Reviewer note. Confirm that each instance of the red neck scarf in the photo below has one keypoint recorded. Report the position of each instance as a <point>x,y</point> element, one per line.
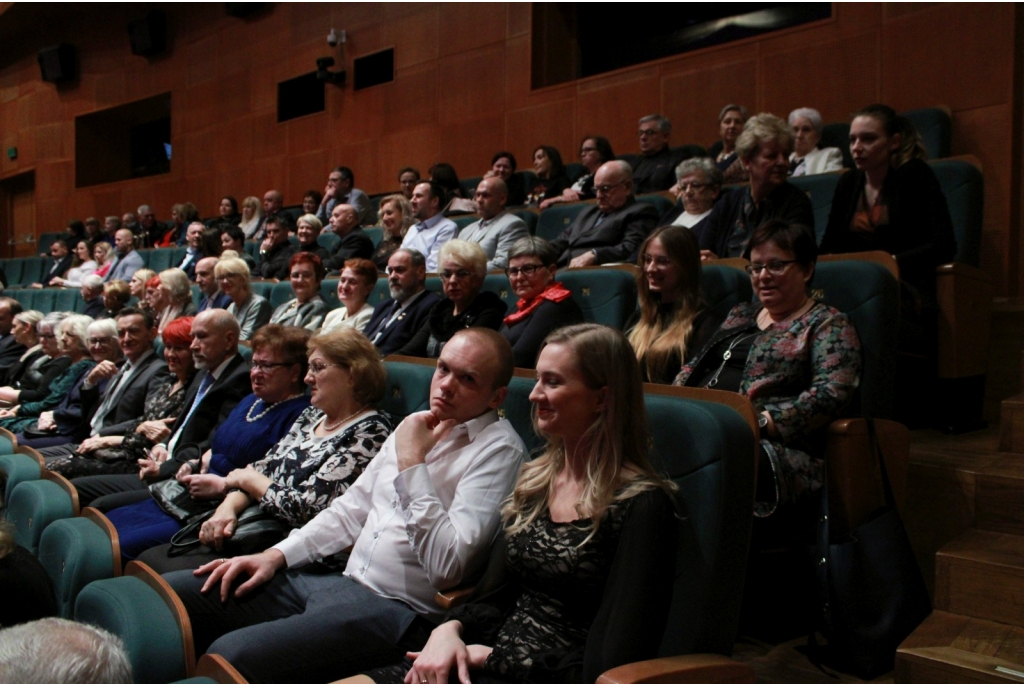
<point>555,292</point>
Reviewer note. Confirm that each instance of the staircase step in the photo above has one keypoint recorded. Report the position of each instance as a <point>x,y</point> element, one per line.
<point>999,494</point>
<point>981,574</point>
<point>1011,425</point>
<point>948,648</point>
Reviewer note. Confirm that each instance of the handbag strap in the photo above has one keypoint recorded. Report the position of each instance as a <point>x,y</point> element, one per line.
<point>181,542</point>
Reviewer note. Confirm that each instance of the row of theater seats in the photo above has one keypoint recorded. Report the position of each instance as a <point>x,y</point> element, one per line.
<point>704,440</point>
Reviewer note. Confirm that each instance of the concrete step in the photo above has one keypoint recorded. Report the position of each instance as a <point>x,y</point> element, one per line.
<point>999,495</point>
<point>948,648</point>
<point>981,574</point>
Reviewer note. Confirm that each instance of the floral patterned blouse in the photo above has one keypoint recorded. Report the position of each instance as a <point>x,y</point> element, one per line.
<point>309,472</point>
<point>160,404</point>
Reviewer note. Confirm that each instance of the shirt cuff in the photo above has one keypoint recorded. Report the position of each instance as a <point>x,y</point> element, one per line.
<point>294,549</point>
<point>412,484</point>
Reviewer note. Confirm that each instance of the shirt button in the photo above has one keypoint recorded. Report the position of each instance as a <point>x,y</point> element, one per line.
<point>363,570</point>
<point>376,535</point>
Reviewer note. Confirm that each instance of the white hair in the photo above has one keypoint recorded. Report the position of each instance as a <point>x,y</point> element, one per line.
<point>55,650</point>
<point>811,115</point>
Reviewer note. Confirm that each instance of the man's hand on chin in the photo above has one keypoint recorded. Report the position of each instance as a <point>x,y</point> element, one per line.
<point>417,435</point>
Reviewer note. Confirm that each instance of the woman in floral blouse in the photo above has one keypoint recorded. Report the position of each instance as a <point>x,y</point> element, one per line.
<point>796,359</point>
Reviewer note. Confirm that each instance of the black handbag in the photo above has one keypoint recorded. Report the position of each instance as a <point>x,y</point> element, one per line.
<point>256,531</point>
<point>872,592</point>
<point>173,498</point>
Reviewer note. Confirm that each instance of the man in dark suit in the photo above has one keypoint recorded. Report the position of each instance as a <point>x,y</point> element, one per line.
<point>213,298</point>
<point>354,243</point>
<point>221,384</point>
<point>60,262</point>
<point>395,321</point>
<point>114,399</point>
<point>276,251</point>
<point>611,230</point>
<point>10,349</point>
<point>92,296</point>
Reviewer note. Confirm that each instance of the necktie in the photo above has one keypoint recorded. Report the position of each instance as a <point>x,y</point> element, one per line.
<point>385,320</point>
<point>108,399</point>
<point>208,380</point>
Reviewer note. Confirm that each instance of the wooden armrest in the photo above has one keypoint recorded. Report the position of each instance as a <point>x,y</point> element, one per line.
<point>452,598</point>
<point>215,667</point>
<point>686,668</point>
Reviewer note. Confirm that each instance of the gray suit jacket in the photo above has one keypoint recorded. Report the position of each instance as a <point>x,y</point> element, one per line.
<point>496,238</point>
<point>125,267</point>
<point>356,198</point>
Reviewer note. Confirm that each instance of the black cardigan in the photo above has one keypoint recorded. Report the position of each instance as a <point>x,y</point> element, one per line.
<point>486,311</point>
<point>787,202</point>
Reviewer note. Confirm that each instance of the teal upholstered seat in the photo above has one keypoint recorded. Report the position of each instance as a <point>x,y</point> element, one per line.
<point>964,187</point>
<point>935,127</point>
<point>329,241</point>
<point>554,220</point>
<point>820,189</point>
<point>530,217</point>
<point>15,469</point>
<point>281,293</point>
<point>33,505</point>
<point>724,287</point>
<point>75,552</point>
<point>660,203</point>
<point>606,296</point>
<point>407,390</point>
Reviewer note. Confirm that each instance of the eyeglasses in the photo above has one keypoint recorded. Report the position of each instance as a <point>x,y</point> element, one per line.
<point>774,267</point>
<point>460,275</point>
<point>228,277</point>
<point>100,341</point>
<point>696,186</point>
<point>605,189</point>
<point>318,367</point>
<point>266,367</point>
<point>644,132</point>
<point>526,270</point>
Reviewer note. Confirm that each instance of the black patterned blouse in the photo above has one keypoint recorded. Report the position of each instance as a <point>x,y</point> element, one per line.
<point>308,471</point>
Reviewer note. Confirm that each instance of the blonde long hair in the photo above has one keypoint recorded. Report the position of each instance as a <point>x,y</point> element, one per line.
<point>656,338</point>
<point>616,441</point>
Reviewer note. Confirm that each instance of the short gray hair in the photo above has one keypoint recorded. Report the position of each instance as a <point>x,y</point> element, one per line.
<point>177,285</point>
<point>761,129</point>
<point>700,165</point>
<point>56,650</point>
<point>77,325</point>
<point>534,246</point>
<point>51,321</point>
<point>92,281</point>
<point>808,113</point>
<point>416,257</point>
<point>103,327</point>
<point>311,220</point>
<point>664,125</point>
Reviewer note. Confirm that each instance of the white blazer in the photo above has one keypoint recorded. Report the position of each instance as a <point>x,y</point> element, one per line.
<point>819,161</point>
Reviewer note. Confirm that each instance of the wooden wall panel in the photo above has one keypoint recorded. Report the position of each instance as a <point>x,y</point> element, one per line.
<point>612,107</point>
<point>469,25</point>
<point>486,99</point>
<point>415,37</point>
<point>693,100</point>
<point>544,124</point>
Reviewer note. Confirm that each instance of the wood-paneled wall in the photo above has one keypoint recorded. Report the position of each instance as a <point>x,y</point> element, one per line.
<point>462,91</point>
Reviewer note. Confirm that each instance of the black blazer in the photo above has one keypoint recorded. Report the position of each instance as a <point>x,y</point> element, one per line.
<point>11,374</point>
<point>355,244</point>
<point>616,239</point>
<point>56,268</point>
<point>131,397</point>
<point>35,386</point>
<point>219,401</point>
<point>10,351</point>
<point>404,327</point>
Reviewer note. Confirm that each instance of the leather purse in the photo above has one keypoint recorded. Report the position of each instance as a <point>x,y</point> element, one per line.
<point>174,498</point>
<point>256,531</point>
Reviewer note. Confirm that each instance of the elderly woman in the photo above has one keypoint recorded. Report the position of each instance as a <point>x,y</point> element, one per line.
<point>323,453</point>
<point>543,305</point>
<point>26,368</point>
<point>462,272</point>
<point>578,581</point>
<point>169,296</point>
<point>120,453</point>
<point>252,215</point>
<point>731,121</point>
<point>115,297</point>
<point>307,229</point>
<point>807,158</point>
<point>551,176</point>
<point>249,431</point>
<point>103,255</point>
<point>698,188</point>
<point>73,338</point>
<point>69,420</point>
<point>671,322</point>
<point>357,281</point>
<point>395,216</point>
<point>81,266</point>
<point>307,309</point>
<point>796,359</point>
<point>249,309</point>
<point>182,214</point>
<point>594,151</point>
<point>138,282</point>
<point>503,166</point>
<point>763,149</point>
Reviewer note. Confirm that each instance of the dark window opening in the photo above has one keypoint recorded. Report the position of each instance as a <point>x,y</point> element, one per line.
<point>300,96</point>
<point>124,142</point>
<point>374,69</point>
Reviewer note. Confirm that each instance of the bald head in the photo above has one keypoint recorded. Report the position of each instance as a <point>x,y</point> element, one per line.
<point>343,219</point>
<point>214,338</point>
<point>205,277</point>
<point>124,241</point>
<point>490,196</point>
<point>613,184</point>
<point>273,200</point>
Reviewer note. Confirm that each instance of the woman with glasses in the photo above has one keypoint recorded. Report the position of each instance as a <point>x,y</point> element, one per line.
<point>796,359</point>
<point>307,309</point>
<point>324,452</point>
<point>543,304</point>
<point>357,281</point>
<point>594,151</point>
<point>698,187</point>
<point>462,272</point>
<point>28,371</point>
<point>250,310</point>
<point>671,322</point>
<point>251,429</point>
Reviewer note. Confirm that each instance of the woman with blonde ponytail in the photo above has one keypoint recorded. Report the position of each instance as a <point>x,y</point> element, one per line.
<point>578,583</point>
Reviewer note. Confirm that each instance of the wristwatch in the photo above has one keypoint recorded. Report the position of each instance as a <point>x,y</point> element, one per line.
<point>762,421</point>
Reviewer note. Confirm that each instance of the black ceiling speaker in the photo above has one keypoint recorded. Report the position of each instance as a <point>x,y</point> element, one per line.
<point>148,34</point>
<point>58,64</point>
<point>244,10</point>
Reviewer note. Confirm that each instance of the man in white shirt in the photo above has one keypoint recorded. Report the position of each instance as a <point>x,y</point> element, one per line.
<point>421,518</point>
<point>432,230</point>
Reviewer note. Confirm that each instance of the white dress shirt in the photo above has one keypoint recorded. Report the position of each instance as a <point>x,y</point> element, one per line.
<point>428,236</point>
<point>423,529</point>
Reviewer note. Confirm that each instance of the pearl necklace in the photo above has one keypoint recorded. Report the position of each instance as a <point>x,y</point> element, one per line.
<point>253,419</point>
<point>330,429</point>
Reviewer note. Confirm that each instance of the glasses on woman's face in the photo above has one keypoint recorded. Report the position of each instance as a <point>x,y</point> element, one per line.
<point>776,267</point>
<point>527,270</point>
<point>227,278</point>
<point>318,367</point>
<point>267,367</point>
<point>100,342</point>
<point>459,275</point>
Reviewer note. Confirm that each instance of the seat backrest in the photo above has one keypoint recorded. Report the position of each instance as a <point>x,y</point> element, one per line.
<point>868,293</point>
<point>263,288</point>
<point>464,220</point>
<point>197,294</point>
<point>45,300</point>
<point>329,293</point>
<point>165,257</point>
<point>606,295</point>
<point>12,269</point>
<point>518,409</point>
<point>469,185</point>
<point>723,287</point>
<point>499,285</point>
<point>48,239</point>
<point>964,187</point>
<point>935,127</point>
<point>708,450</point>
<point>15,468</point>
<point>141,609</point>
<point>68,300</point>
<point>32,270</point>
<point>820,188</point>
<point>574,170</point>
<point>329,241</point>
<point>529,179</point>
<point>294,211</point>
<point>660,203</point>
<point>838,135</point>
<point>554,220</point>
<point>408,386</point>
<point>281,293</point>
<point>75,552</point>
<point>530,217</point>
<point>34,505</point>
<point>375,233</point>
<point>253,248</point>
<point>380,292</point>
<point>23,295</point>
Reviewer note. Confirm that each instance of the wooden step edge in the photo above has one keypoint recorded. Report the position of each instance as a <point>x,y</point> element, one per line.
<point>981,547</point>
<point>967,666</point>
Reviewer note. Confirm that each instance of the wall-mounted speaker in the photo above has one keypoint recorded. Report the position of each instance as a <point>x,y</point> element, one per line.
<point>148,34</point>
<point>244,10</point>
<point>58,64</point>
